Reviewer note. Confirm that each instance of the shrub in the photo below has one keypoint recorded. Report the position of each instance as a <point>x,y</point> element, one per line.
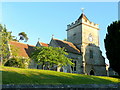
<point>18,62</point>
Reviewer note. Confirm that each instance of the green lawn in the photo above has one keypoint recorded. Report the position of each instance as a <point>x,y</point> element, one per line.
<point>12,75</point>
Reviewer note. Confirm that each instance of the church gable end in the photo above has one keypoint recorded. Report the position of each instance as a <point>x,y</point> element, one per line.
<point>70,47</point>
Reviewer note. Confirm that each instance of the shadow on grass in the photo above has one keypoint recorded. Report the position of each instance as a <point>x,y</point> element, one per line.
<point>10,77</point>
<point>115,76</point>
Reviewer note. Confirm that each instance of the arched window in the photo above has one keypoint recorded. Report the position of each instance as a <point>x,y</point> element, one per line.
<point>61,69</point>
<point>92,72</point>
<point>74,67</point>
<point>37,66</point>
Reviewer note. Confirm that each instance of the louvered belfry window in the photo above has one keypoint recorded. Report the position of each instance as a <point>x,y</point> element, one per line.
<point>91,53</point>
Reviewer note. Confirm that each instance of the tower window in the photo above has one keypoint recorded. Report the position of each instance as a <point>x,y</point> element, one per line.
<point>74,34</point>
<point>91,54</point>
<point>74,67</point>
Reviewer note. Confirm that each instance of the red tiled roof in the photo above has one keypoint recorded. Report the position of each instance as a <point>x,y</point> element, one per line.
<point>43,44</point>
<point>24,50</point>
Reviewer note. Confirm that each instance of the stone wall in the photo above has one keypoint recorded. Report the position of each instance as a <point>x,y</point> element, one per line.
<point>97,63</point>
<point>64,87</point>
<point>79,63</point>
<point>86,31</point>
<point>33,64</point>
<point>74,35</point>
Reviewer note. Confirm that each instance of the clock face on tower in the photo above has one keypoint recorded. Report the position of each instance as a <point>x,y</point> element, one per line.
<point>90,38</point>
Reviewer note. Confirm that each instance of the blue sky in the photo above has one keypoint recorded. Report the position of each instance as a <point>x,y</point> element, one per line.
<point>119,10</point>
<point>42,19</point>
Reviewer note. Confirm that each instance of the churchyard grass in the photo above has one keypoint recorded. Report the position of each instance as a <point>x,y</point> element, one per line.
<point>11,75</point>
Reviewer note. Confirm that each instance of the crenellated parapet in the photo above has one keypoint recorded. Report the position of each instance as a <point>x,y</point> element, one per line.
<point>74,24</point>
<point>82,21</point>
<point>87,22</point>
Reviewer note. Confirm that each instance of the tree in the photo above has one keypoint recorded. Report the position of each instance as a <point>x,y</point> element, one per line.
<point>23,36</point>
<point>112,45</point>
<point>65,39</point>
<point>5,37</point>
<point>51,56</point>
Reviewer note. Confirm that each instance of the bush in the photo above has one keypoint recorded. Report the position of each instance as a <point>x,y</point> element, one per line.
<point>18,62</point>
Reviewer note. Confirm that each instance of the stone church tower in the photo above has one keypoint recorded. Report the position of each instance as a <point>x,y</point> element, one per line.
<point>84,35</point>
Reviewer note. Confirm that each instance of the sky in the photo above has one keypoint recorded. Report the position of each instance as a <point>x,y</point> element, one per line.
<point>44,19</point>
<point>119,10</point>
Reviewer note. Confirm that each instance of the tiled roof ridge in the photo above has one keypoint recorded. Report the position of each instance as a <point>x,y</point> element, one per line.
<point>21,43</point>
<point>63,41</point>
<point>69,43</point>
<point>41,43</point>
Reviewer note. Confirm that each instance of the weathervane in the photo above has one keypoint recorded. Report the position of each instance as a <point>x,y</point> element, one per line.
<point>82,9</point>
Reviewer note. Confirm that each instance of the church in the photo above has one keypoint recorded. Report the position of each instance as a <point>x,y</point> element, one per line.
<point>82,46</point>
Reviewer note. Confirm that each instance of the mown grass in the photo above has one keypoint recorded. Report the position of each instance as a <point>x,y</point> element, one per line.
<point>12,75</point>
